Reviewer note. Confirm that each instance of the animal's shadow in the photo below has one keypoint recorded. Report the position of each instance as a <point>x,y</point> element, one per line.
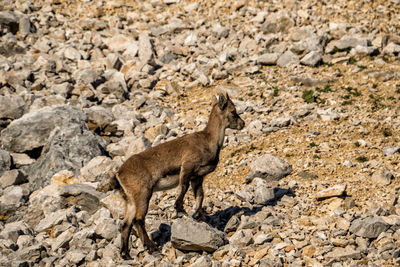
<point>220,219</point>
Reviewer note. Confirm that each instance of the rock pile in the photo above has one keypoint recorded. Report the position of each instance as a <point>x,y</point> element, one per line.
<point>313,179</point>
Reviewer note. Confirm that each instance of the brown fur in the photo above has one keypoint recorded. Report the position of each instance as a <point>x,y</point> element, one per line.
<point>175,163</point>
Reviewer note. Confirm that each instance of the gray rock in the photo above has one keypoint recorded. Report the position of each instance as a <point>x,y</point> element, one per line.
<point>107,228</point>
<point>5,161</point>
<point>334,191</point>
<point>68,149</point>
<point>55,218</point>
<point>62,240</point>
<point>370,227</point>
<point>93,77</point>
<point>344,253</point>
<point>269,167</point>
<point>263,238</point>
<point>263,193</point>
<point>203,261</point>
<point>99,115</point>
<point>268,59</point>
<point>388,151</point>
<point>280,122</point>
<point>312,59</point>
<point>32,254</point>
<point>242,238</point>
<point>100,169</point>
<point>391,49</point>
<point>11,107</point>
<point>33,130</point>
<point>75,257</point>
<point>25,26</point>
<point>83,196</point>
<point>12,198</point>
<point>13,230</point>
<point>72,53</point>
<point>146,50</point>
<point>350,42</point>
<point>382,177</point>
<point>13,177</point>
<point>287,59</point>
<point>128,146</point>
<point>187,234</point>
<point>9,20</point>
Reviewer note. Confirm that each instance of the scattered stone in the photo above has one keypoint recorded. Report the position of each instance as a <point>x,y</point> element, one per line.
<point>335,191</point>
<point>190,235</point>
<point>311,59</point>
<point>388,151</point>
<point>382,177</point>
<point>287,59</point>
<point>11,107</point>
<point>13,177</point>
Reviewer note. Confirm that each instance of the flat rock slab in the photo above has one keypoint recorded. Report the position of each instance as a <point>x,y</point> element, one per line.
<point>190,235</point>
<point>334,191</point>
<point>370,227</point>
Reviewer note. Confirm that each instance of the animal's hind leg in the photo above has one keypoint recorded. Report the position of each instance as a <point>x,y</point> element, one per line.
<point>126,227</point>
<point>139,220</point>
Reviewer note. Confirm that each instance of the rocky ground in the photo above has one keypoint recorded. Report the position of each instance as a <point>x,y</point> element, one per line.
<point>312,180</point>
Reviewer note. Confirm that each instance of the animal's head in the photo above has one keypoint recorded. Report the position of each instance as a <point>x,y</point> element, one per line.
<point>227,111</point>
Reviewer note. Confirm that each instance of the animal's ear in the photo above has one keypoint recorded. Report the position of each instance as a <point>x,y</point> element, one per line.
<point>222,101</point>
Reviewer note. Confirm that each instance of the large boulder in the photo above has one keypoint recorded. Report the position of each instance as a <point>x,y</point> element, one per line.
<point>187,234</point>
<point>370,227</point>
<point>68,149</point>
<point>33,130</point>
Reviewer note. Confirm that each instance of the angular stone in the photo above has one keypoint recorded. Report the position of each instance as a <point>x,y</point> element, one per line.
<point>382,177</point>
<point>115,203</point>
<point>31,254</point>
<point>83,196</point>
<point>68,149</point>
<point>187,234</point>
<point>100,170</point>
<point>370,227</point>
<point>203,261</point>
<point>388,151</point>
<point>312,59</point>
<point>9,20</point>
<point>348,252</point>
<point>11,107</point>
<point>269,167</point>
<point>128,146</point>
<point>33,130</point>
<point>54,219</point>
<point>72,53</point>
<point>12,198</point>
<point>391,49</point>
<point>263,193</point>
<point>146,50</point>
<point>334,191</point>
<point>107,228</point>
<point>5,161</point>
<point>13,177</point>
<point>268,59</point>
<point>242,238</point>
<point>62,240</point>
<point>13,230</point>
<point>287,59</point>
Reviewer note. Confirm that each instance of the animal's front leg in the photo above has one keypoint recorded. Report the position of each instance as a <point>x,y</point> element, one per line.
<point>197,186</point>
<point>184,178</point>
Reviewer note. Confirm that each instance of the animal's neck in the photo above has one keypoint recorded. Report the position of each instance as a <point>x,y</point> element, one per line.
<point>216,130</point>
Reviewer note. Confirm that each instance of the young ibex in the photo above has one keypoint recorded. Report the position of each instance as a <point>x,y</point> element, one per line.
<point>178,162</point>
